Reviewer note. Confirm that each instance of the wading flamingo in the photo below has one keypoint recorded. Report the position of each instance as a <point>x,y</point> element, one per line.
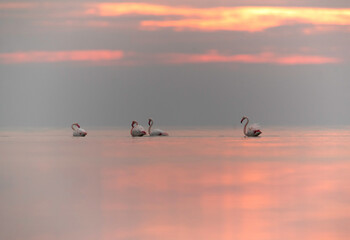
<point>137,130</point>
<point>253,131</point>
<point>155,132</point>
<point>77,131</point>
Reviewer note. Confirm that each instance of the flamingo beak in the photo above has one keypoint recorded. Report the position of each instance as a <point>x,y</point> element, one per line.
<point>144,133</point>
<point>242,120</point>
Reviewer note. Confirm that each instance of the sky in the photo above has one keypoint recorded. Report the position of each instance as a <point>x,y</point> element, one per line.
<point>183,63</point>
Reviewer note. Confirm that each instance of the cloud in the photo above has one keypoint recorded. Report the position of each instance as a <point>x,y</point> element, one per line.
<point>133,58</point>
<point>18,5</point>
<point>266,57</point>
<point>325,29</point>
<point>248,18</point>
<point>77,24</point>
<point>59,56</point>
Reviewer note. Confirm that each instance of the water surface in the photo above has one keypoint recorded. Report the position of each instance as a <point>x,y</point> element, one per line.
<point>210,184</point>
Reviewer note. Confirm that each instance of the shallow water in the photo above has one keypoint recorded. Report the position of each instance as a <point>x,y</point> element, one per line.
<point>208,184</point>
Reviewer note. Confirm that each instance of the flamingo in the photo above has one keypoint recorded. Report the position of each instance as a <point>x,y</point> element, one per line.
<point>155,132</point>
<point>137,130</point>
<point>77,131</point>
<point>253,131</point>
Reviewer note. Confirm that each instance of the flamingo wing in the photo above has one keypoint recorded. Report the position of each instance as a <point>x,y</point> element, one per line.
<point>254,130</point>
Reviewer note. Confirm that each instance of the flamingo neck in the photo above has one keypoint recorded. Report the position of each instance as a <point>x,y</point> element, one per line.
<point>131,130</point>
<point>132,126</point>
<point>75,124</point>
<point>134,123</point>
<point>149,128</point>
<point>245,127</point>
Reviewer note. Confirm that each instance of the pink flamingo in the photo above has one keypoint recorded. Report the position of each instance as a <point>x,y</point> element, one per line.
<point>137,130</point>
<point>155,132</point>
<point>253,131</point>
<point>77,131</point>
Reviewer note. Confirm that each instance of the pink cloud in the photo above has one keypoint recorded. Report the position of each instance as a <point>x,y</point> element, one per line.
<point>325,29</point>
<point>19,5</point>
<point>103,56</point>
<point>60,56</point>
<point>214,56</point>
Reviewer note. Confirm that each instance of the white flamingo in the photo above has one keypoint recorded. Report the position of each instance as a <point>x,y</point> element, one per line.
<point>155,132</point>
<point>77,131</point>
<point>137,130</point>
<point>253,131</point>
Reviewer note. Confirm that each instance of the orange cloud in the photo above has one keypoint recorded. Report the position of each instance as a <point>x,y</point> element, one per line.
<point>223,18</point>
<point>118,9</point>
<point>267,57</point>
<point>60,56</point>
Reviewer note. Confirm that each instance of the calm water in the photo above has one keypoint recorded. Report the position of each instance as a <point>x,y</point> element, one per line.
<point>203,184</point>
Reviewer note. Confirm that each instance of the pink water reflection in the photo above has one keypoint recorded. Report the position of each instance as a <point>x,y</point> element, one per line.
<point>213,187</point>
<point>201,184</point>
<point>234,200</point>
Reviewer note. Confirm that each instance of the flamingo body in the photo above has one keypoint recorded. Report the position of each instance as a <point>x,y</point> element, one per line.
<point>253,131</point>
<point>137,130</point>
<point>158,132</point>
<point>155,132</point>
<point>77,131</point>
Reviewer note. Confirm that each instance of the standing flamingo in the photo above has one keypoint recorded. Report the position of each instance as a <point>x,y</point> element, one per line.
<point>137,130</point>
<point>155,132</point>
<point>253,131</point>
<point>77,131</point>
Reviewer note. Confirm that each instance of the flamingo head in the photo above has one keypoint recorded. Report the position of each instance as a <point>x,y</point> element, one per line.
<point>133,123</point>
<point>150,121</point>
<point>244,117</point>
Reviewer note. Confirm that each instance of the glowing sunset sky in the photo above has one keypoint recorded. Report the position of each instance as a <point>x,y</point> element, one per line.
<point>227,49</point>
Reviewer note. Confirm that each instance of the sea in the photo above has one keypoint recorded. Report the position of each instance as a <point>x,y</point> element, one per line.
<point>196,184</point>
